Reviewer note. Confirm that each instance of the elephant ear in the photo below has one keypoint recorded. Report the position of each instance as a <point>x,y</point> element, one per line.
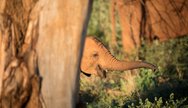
<point>101,72</point>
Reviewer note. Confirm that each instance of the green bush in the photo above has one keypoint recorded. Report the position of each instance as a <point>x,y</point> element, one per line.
<point>170,56</point>
<point>160,103</point>
<point>146,80</point>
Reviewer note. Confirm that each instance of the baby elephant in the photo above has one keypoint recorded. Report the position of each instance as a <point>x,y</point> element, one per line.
<point>96,59</point>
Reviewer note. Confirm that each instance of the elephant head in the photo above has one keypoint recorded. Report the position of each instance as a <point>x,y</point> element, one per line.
<point>96,59</point>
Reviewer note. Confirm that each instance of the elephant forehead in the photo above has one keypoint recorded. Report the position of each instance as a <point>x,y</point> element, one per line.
<point>90,43</point>
<point>90,52</point>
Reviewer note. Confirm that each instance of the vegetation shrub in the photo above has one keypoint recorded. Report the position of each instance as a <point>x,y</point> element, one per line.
<point>152,88</point>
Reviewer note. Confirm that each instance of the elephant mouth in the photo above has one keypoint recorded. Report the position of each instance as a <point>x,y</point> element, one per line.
<point>86,74</point>
<point>100,71</point>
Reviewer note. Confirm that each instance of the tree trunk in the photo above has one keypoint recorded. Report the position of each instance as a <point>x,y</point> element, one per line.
<point>151,20</point>
<point>62,28</point>
<point>40,50</point>
<point>129,15</point>
<point>19,81</point>
<point>113,25</point>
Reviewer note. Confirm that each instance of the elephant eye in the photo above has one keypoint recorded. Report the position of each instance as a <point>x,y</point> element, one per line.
<point>95,54</point>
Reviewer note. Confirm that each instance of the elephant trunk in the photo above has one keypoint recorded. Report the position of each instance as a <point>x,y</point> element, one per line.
<point>115,64</point>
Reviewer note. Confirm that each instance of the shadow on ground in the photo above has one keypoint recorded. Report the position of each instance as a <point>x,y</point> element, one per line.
<point>178,87</point>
